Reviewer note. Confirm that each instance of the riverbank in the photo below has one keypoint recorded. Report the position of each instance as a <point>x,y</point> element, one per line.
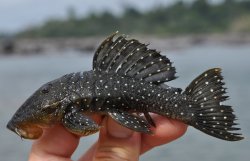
<point>26,46</point>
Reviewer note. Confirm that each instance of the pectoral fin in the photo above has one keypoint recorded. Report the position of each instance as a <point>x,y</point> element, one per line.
<point>79,124</point>
<point>131,121</point>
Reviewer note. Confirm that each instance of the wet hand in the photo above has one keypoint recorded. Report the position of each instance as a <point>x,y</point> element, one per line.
<point>115,142</point>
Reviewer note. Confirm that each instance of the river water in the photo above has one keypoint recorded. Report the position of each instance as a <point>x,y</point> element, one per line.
<point>20,76</point>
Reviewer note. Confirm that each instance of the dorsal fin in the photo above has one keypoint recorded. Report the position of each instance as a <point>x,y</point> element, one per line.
<point>132,58</point>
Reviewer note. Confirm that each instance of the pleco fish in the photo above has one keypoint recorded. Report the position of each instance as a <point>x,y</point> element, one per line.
<point>127,79</point>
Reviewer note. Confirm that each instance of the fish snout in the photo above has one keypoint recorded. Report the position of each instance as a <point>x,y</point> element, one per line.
<point>25,131</point>
<point>11,126</point>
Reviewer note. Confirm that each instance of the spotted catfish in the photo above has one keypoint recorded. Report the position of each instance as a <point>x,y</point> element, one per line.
<point>127,79</point>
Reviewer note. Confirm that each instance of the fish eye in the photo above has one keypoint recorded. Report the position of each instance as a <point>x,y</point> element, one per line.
<point>45,89</point>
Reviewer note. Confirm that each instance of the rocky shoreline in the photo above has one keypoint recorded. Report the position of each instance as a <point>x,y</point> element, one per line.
<point>25,46</point>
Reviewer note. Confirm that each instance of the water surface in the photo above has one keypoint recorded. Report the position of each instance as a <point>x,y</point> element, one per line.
<point>21,76</point>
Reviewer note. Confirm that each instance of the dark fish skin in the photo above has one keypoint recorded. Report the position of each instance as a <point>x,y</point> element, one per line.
<point>127,78</point>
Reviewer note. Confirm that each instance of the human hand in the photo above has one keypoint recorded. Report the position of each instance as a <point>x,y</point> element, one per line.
<point>115,142</point>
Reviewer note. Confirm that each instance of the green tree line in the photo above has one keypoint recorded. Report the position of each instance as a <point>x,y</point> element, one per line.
<point>179,18</point>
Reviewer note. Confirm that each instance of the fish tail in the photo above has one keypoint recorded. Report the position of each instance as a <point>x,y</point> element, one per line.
<point>208,114</point>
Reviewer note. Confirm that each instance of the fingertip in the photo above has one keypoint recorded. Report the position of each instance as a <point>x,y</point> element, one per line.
<point>180,128</point>
<point>166,130</point>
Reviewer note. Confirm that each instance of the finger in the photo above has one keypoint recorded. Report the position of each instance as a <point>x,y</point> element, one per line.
<point>56,143</point>
<point>117,143</point>
<point>166,131</point>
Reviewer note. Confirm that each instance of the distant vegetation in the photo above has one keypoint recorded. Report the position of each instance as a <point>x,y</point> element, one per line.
<point>179,18</point>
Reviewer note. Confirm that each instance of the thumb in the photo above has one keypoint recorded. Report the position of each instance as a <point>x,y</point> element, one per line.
<point>117,143</point>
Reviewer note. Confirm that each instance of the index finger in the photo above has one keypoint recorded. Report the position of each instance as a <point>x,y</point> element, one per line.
<point>56,143</point>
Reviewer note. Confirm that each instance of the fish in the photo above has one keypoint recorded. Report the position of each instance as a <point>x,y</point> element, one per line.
<point>128,81</point>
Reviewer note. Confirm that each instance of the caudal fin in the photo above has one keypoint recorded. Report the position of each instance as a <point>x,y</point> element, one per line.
<point>210,116</point>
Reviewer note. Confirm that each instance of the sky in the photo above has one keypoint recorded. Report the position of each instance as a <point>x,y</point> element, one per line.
<point>16,15</point>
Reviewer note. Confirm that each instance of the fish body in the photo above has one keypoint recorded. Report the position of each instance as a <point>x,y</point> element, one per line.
<point>127,79</point>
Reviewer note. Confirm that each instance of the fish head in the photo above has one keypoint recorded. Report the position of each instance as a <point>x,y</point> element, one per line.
<point>40,110</point>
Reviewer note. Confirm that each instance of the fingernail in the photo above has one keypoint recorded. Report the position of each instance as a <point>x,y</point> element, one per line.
<point>117,130</point>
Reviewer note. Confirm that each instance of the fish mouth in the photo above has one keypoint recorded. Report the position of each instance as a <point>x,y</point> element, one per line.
<point>26,131</point>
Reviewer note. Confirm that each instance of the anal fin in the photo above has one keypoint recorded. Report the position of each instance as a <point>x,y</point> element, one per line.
<point>131,121</point>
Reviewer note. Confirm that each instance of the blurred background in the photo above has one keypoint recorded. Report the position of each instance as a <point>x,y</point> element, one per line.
<point>42,40</point>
